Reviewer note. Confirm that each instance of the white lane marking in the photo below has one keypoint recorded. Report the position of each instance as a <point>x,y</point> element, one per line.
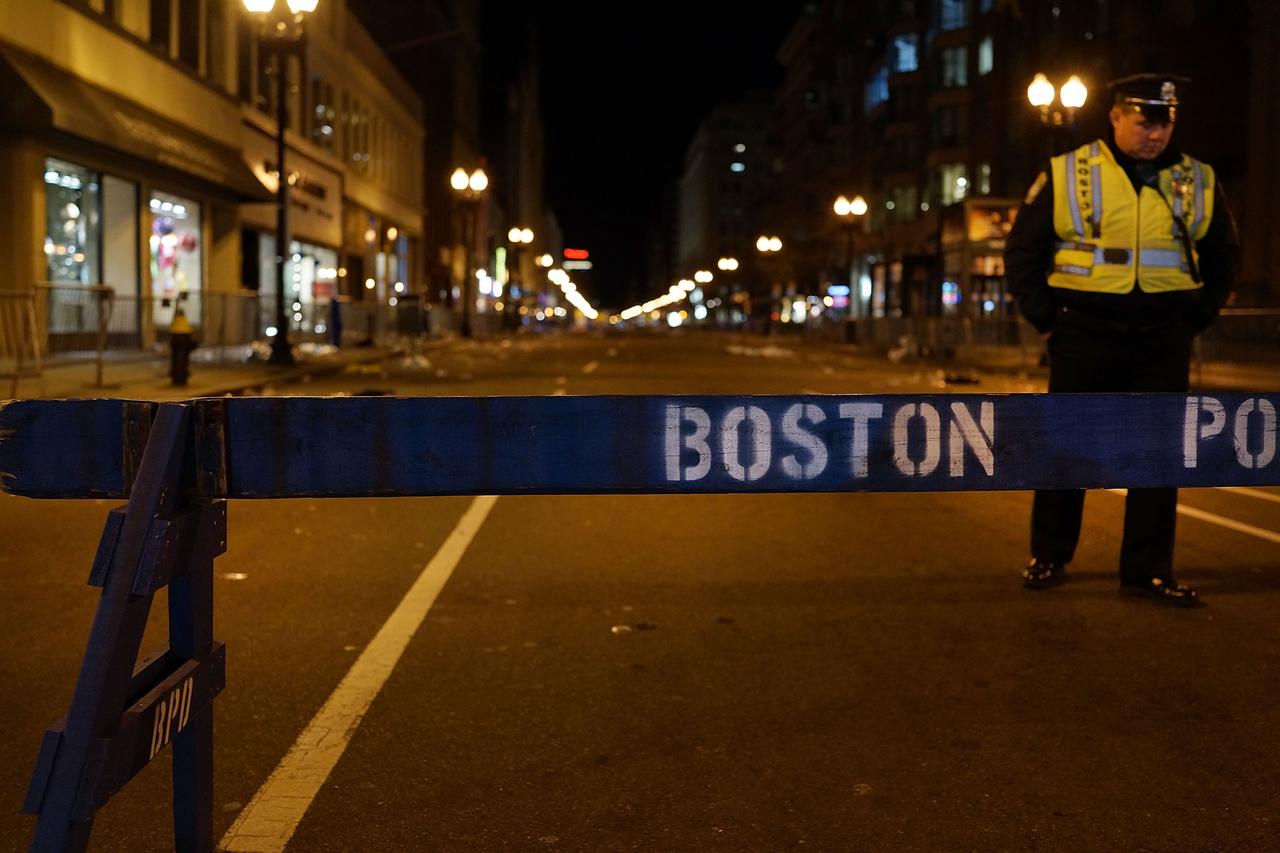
<point>272,816</point>
<point>590,366</point>
<point>1220,520</point>
<point>559,392</point>
<point>1253,493</point>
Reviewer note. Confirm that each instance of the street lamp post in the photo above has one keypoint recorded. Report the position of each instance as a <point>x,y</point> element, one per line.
<point>850,213</point>
<point>281,36</point>
<point>470,189</point>
<point>517,237</point>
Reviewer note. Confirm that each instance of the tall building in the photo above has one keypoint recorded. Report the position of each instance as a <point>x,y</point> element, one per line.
<point>721,187</point>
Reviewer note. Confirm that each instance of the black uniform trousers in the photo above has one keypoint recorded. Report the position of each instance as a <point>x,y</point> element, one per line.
<point>1094,356</point>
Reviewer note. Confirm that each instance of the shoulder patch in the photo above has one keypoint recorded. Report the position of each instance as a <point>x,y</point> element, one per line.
<point>1036,186</point>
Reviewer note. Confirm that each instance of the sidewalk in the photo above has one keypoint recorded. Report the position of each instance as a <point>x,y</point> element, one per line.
<point>141,376</point>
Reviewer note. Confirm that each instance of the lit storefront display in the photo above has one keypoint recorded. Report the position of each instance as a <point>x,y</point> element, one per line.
<point>176,258</point>
<point>72,240</point>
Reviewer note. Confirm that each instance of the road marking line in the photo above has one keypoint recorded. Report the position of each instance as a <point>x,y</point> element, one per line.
<point>1220,520</point>
<point>1253,493</point>
<point>273,815</point>
<point>590,366</point>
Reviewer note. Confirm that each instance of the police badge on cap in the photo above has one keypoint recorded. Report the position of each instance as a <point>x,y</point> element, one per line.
<point>1153,95</point>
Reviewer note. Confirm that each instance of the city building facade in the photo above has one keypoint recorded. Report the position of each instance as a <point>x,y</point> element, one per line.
<point>137,149</point>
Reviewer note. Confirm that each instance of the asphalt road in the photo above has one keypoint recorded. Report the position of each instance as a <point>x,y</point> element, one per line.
<point>688,673</point>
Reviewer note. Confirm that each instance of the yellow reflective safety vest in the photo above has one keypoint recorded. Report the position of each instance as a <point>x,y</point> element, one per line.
<point>1111,237</point>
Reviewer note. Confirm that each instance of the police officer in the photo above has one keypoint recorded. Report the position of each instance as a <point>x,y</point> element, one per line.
<point>1123,251</point>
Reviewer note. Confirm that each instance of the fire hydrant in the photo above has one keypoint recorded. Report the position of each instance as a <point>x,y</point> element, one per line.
<point>181,343</point>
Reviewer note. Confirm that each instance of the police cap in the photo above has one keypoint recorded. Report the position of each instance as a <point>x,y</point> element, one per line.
<point>1153,95</point>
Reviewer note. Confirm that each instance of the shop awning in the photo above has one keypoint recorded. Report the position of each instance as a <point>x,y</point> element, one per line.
<point>39,95</point>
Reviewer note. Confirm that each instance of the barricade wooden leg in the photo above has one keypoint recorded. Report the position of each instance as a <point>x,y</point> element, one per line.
<point>61,791</point>
<point>190,636</point>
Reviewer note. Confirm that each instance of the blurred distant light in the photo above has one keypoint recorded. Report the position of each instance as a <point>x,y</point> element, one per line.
<point>478,181</point>
<point>514,235</point>
<point>577,254</point>
<point>988,306</point>
<point>841,206</point>
<point>399,287</point>
<point>739,148</point>
<point>369,284</point>
<point>737,166</point>
<point>302,7</point>
<point>858,206</point>
<point>392,233</point>
<point>271,331</point>
<point>703,276</point>
<point>674,319</point>
<point>482,273</point>
<point>526,235</point>
<point>393,302</point>
<point>762,244</point>
<point>700,313</point>
<point>259,6</point>
<point>775,244</point>
<point>458,180</point>
<point>545,260</point>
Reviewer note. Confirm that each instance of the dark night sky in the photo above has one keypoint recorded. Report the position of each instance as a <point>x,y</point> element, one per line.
<point>623,88</point>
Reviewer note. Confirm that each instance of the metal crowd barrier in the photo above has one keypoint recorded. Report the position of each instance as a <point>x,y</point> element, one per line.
<point>178,464</point>
<point>20,338</point>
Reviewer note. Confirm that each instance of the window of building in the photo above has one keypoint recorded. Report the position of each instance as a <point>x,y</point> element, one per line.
<point>953,67</point>
<point>161,23</point>
<point>952,14</point>
<point>176,258</point>
<point>949,126</point>
<point>877,90</point>
<point>953,183</point>
<point>324,113</point>
<point>986,56</point>
<point>903,53</point>
<point>73,234</point>
<point>985,6</point>
<point>189,35</point>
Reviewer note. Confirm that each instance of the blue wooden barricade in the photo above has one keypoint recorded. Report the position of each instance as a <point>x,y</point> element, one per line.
<point>178,463</point>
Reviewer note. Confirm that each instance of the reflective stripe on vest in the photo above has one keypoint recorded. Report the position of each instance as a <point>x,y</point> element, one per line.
<point>1132,238</point>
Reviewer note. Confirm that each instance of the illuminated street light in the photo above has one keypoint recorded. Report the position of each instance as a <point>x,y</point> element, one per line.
<point>727,263</point>
<point>702,276</point>
<point>858,206</point>
<point>775,244</point>
<point>841,206</point>
<point>545,260</point>
<point>470,190</point>
<point>1040,92</point>
<point>1073,93</point>
<point>277,41</point>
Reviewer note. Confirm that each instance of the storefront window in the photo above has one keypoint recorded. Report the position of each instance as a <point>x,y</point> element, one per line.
<point>73,234</point>
<point>311,276</point>
<point>176,262</point>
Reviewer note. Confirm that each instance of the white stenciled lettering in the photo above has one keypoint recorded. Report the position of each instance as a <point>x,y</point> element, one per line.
<point>1196,430</point>
<point>759,431</point>
<point>860,414</point>
<point>932,439</point>
<point>675,444</point>
<point>1267,452</point>
<point>174,708</point>
<point>158,738</point>
<point>793,432</point>
<point>963,430</point>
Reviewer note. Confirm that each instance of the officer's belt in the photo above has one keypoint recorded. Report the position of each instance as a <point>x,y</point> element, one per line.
<point>1080,319</point>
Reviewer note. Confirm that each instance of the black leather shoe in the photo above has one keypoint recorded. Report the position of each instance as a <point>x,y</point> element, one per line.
<point>1042,574</point>
<point>1168,592</point>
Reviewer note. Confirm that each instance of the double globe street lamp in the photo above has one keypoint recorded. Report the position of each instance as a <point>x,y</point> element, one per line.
<point>1057,122</point>
<point>470,190</point>
<point>850,213</point>
<point>518,238</point>
<point>279,37</point>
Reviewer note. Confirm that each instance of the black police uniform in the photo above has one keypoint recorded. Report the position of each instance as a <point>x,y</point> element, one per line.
<point>1103,342</point>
